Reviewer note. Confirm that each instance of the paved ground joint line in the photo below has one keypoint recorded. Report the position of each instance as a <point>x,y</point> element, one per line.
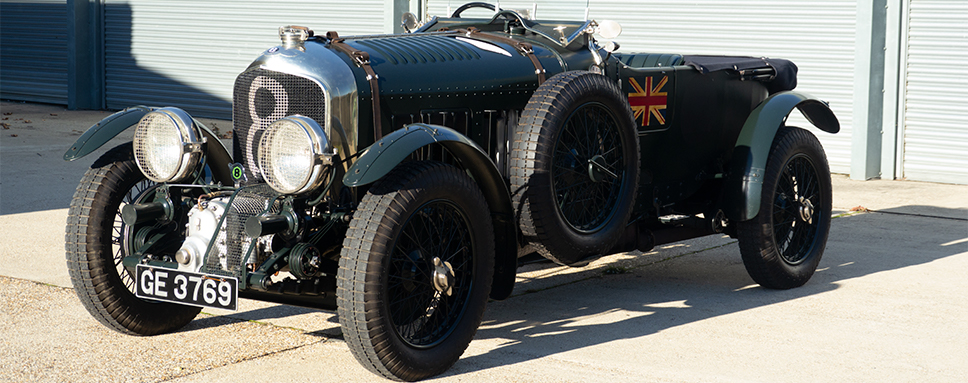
<point>276,352</point>
<point>919,215</point>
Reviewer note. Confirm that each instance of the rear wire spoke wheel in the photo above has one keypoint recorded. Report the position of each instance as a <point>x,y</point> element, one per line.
<point>574,167</point>
<point>96,243</point>
<point>783,244</point>
<point>415,271</point>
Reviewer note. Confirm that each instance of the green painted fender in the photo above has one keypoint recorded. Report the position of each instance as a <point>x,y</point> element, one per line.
<point>217,155</point>
<point>744,183</point>
<point>384,155</point>
<point>105,130</point>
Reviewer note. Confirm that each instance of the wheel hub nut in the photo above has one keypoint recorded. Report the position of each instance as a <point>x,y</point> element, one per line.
<point>443,277</point>
<point>806,211</point>
<point>598,171</point>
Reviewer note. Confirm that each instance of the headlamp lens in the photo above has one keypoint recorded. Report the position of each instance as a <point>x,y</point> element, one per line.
<point>166,146</point>
<point>291,154</point>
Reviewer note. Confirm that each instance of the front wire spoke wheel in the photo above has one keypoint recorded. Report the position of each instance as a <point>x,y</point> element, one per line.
<point>415,271</point>
<point>122,233</point>
<point>96,243</point>
<point>422,314</point>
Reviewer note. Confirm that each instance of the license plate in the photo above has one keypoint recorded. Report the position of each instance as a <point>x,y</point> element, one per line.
<point>187,288</point>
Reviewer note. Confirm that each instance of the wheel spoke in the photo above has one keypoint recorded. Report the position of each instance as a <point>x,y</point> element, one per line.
<point>120,234</point>
<point>798,185</point>
<point>402,280</point>
<point>420,314</point>
<point>570,170</point>
<point>590,132</point>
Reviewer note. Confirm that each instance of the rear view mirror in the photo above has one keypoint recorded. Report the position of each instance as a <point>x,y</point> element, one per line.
<point>609,29</point>
<point>409,22</point>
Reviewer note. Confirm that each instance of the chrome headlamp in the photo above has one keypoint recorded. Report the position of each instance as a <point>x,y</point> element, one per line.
<point>293,154</point>
<point>167,146</point>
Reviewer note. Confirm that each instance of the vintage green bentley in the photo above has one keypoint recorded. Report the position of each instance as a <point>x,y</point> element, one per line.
<point>398,179</point>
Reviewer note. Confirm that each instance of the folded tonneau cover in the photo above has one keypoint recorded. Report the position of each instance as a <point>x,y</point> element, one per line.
<point>785,77</point>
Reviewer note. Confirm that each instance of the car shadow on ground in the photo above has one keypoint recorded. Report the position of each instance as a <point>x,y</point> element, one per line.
<point>657,296</point>
<point>706,285</point>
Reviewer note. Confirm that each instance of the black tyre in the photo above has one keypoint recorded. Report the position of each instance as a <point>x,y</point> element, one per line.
<point>574,167</point>
<point>415,271</point>
<point>94,245</point>
<point>783,244</point>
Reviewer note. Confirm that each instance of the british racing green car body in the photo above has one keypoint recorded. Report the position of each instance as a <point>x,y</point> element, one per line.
<point>399,178</point>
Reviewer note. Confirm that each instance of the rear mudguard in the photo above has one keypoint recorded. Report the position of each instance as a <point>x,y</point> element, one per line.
<point>744,183</point>
<point>217,155</point>
<point>381,157</point>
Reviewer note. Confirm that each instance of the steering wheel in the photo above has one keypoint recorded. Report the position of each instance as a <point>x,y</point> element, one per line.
<point>476,4</point>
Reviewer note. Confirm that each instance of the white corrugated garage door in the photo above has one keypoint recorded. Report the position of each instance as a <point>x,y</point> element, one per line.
<point>187,53</point>
<point>818,35</point>
<point>935,102</point>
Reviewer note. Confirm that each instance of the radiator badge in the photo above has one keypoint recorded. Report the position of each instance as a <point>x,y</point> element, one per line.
<point>238,174</point>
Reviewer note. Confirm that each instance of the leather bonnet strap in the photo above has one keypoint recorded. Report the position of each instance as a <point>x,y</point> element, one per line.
<point>362,60</point>
<point>521,46</point>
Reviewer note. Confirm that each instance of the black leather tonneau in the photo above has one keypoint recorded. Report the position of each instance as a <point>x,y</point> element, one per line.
<point>784,76</point>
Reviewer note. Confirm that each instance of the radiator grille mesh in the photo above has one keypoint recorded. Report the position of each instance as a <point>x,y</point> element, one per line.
<point>263,96</point>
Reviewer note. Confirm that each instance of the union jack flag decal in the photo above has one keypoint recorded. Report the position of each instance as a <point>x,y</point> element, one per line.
<point>649,103</point>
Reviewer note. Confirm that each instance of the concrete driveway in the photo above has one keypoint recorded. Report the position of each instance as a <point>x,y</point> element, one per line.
<point>887,304</point>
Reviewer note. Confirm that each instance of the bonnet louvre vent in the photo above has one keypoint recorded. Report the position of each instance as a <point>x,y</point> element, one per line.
<point>426,49</point>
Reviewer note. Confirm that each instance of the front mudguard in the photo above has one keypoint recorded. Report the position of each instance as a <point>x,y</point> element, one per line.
<point>744,182</point>
<point>217,155</point>
<point>384,155</point>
